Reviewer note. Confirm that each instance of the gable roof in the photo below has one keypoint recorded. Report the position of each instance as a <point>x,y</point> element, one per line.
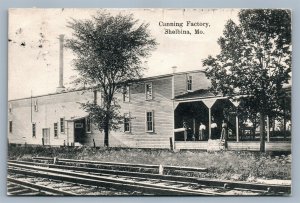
<point>87,88</point>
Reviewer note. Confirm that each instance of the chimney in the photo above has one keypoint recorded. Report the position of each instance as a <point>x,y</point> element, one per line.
<point>174,68</point>
<point>61,87</point>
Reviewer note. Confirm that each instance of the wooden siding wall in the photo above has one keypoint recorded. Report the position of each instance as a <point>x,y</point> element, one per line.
<point>162,107</point>
<point>50,109</point>
<point>199,81</point>
<point>278,146</point>
<point>66,105</point>
<point>70,132</point>
<point>244,146</point>
<point>200,145</point>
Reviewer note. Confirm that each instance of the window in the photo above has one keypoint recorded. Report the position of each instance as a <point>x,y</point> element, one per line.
<point>148,87</point>
<point>126,92</point>
<point>10,126</point>
<point>95,96</point>
<point>10,108</point>
<point>62,125</point>
<point>101,99</point>
<point>33,130</point>
<point>126,122</point>
<point>78,125</point>
<point>149,121</point>
<point>35,106</point>
<point>88,124</point>
<point>55,130</point>
<point>189,83</point>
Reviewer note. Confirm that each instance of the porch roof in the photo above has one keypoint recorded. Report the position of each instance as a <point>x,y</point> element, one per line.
<point>199,94</point>
<point>196,94</point>
<point>79,117</point>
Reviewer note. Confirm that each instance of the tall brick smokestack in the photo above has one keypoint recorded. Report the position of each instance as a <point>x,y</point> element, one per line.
<point>61,87</point>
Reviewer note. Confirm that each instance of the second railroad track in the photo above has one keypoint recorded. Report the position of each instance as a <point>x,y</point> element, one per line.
<point>134,179</point>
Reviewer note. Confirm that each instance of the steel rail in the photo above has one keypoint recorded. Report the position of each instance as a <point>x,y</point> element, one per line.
<point>114,172</point>
<point>111,182</point>
<point>201,181</point>
<point>40,188</point>
<point>166,167</point>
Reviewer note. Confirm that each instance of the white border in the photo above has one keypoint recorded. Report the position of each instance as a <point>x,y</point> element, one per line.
<point>293,4</point>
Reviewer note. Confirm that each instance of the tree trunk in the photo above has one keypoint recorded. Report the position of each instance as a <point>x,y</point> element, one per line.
<point>262,134</point>
<point>284,121</point>
<point>106,142</point>
<point>106,138</point>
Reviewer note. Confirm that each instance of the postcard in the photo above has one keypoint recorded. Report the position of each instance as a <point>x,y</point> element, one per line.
<point>149,102</point>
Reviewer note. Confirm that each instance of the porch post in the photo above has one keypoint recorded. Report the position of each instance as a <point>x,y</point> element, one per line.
<point>209,103</point>
<point>268,129</point>
<point>175,104</point>
<point>209,123</point>
<point>67,133</point>
<point>236,104</point>
<point>194,128</point>
<point>237,128</point>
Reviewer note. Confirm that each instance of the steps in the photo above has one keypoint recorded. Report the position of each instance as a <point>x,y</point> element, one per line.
<point>215,145</point>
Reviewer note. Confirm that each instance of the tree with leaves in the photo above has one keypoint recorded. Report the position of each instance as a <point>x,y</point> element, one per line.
<point>109,51</point>
<point>254,62</point>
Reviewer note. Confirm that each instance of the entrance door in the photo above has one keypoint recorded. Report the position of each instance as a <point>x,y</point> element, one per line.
<point>79,131</point>
<point>46,136</point>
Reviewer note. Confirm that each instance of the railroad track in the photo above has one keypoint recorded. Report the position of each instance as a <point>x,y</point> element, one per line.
<point>120,166</point>
<point>140,183</point>
<point>15,187</point>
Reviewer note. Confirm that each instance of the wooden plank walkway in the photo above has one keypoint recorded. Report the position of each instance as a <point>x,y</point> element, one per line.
<point>283,146</point>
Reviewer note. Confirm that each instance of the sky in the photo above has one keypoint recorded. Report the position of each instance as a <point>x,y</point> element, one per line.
<point>33,51</point>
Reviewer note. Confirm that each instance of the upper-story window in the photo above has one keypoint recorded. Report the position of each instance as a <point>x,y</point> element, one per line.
<point>148,87</point>
<point>189,82</point>
<point>126,94</point>
<point>35,106</point>
<point>62,125</point>
<point>126,122</point>
<point>9,107</point>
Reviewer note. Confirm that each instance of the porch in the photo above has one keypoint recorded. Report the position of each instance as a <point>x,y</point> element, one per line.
<point>192,110</point>
<point>279,146</point>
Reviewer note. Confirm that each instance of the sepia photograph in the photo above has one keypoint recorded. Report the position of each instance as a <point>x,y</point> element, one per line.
<point>149,102</point>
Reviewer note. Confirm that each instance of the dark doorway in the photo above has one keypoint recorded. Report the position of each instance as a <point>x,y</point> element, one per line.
<point>79,130</point>
<point>192,113</point>
<point>46,136</point>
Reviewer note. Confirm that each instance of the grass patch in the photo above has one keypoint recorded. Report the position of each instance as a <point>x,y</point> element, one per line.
<point>226,165</point>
